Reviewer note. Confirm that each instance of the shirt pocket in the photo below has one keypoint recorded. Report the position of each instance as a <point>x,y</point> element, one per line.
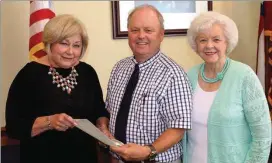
<point>149,118</point>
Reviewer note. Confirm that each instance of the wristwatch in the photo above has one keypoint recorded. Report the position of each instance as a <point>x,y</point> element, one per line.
<point>153,152</point>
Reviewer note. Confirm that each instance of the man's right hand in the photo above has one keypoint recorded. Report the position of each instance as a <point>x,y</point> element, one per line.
<point>102,124</point>
<point>106,131</point>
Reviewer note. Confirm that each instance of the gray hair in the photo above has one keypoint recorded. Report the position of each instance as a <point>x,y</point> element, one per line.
<point>160,17</point>
<point>205,21</point>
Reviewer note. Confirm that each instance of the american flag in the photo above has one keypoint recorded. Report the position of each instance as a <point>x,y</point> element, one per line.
<point>264,57</point>
<point>40,13</point>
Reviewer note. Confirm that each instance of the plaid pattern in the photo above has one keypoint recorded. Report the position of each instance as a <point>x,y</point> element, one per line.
<point>162,99</point>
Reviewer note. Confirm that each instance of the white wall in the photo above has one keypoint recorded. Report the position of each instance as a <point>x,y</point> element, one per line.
<point>14,43</point>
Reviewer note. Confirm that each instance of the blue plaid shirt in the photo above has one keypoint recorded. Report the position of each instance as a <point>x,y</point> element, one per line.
<point>162,99</point>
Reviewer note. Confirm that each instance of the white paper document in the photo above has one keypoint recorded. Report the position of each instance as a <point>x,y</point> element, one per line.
<point>86,126</point>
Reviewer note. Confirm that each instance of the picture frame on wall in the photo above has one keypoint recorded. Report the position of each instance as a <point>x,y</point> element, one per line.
<point>177,15</point>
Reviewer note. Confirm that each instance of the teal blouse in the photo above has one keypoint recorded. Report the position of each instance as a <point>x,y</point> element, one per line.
<point>239,124</point>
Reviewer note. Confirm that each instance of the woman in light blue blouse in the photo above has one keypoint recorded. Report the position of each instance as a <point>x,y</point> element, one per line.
<point>230,117</point>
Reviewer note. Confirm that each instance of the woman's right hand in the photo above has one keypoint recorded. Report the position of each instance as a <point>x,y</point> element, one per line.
<point>62,122</point>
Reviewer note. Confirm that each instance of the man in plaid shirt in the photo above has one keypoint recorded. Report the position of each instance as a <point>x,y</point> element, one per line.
<point>149,96</point>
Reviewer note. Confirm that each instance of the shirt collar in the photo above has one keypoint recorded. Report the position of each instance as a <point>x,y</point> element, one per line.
<point>148,62</point>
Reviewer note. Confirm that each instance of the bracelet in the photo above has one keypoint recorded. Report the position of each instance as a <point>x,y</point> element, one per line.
<point>48,119</point>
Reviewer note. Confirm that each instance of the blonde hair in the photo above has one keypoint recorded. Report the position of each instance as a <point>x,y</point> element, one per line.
<point>205,21</point>
<point>62,27</point>
<point>160,17</point>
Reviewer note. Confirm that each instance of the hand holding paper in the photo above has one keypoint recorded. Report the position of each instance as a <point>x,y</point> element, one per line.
<point>86,126</point>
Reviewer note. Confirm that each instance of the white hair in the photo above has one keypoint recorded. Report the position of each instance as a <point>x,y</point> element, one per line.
<point>205,21</point>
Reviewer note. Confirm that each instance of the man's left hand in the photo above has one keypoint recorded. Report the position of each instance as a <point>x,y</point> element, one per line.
<point>132,152</point>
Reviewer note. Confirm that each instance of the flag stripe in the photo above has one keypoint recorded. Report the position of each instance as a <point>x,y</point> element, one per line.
<point>38,5</point>
<point>261,26</point>
<point>40,15</point>
<point>35,39</point>
<point>264,59</point>
<point>260,65</point>
<point>37,55</point>
<point>37,27</point>
<point>36,48</point>
<point>40,54</point>
<point>261,60</point>
<point>268,33</point>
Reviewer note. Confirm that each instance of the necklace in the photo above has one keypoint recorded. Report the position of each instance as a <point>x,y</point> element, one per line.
<point>219,76</point>
<point>68,83</point>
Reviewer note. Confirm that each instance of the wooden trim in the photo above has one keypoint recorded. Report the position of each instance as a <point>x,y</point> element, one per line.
<point>118,34</point>
<point>5,140</point>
